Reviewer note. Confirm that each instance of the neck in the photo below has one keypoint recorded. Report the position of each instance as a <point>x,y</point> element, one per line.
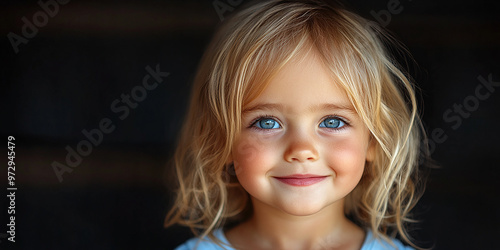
<point>275,229</point>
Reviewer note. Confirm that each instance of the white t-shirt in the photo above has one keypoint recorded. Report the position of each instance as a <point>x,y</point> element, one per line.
<point>370,243</point>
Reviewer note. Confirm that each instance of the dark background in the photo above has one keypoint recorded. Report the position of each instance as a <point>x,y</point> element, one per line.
<point>91,52</point>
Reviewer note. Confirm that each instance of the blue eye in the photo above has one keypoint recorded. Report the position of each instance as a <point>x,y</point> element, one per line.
<point>267,123</point>
<point>331,122</point>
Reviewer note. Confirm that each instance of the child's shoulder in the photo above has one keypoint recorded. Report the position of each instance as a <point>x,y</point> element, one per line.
<point>371,243</point>
<point>206,243</point>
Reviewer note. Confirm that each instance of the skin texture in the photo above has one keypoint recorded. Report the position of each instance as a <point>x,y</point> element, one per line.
<point>295,104</point>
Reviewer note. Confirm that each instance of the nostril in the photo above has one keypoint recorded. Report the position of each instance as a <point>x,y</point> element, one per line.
<point>300,151</point>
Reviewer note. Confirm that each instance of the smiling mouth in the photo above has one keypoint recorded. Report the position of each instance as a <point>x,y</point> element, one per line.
<point>301,180</point>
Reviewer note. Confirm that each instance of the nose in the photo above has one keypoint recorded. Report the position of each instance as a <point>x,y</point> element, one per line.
<point>301,148</point>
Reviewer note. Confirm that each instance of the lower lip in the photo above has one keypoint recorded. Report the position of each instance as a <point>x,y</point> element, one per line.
<point>301,182</point>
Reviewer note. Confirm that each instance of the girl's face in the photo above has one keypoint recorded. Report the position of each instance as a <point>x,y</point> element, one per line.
<point>302,147</point>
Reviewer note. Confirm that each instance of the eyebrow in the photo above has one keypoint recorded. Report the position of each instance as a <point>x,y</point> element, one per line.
<point>280,107</point>
<point>264,106</point>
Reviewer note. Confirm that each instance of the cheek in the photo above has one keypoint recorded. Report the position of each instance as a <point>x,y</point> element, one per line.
<point>347,157</point>
<point>253,157</point>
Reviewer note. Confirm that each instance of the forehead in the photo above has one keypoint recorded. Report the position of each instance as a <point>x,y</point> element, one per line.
<point>303,83</point>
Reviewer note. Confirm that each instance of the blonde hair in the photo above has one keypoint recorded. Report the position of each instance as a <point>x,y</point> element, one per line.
<point>246,51</point>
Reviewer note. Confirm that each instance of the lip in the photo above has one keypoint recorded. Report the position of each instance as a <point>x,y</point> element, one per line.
<point>301,180</point>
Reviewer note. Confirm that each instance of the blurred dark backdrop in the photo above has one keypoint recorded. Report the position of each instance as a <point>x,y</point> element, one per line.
<point>86,54</point>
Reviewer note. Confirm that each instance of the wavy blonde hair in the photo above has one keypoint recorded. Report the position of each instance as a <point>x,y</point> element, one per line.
<point>245,53</point>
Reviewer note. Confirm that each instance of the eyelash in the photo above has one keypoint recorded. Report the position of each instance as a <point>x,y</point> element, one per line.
<point>343,120</point>
<point>254,122</point>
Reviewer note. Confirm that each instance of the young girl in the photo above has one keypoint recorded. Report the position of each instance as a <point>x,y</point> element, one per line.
<point>302,133</point>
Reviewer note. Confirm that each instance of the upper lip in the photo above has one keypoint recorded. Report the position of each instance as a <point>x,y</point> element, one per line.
<point>300,176</point>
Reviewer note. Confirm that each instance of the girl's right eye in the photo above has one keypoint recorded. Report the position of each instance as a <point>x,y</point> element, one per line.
<point>267,123</point>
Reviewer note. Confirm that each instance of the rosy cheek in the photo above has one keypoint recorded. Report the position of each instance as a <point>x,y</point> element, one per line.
<point>251,153</point>
<point>346,157</point>
<point>245,151</point>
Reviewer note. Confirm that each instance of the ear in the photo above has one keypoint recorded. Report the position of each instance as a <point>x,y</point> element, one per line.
<point>229,159</point>
<point>370,152</point>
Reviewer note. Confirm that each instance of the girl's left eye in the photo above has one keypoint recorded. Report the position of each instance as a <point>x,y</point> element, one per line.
<point>267,123</point>
<point>332,122</point>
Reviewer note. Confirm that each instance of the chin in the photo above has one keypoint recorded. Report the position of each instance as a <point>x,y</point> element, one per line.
<point>303,209</point>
